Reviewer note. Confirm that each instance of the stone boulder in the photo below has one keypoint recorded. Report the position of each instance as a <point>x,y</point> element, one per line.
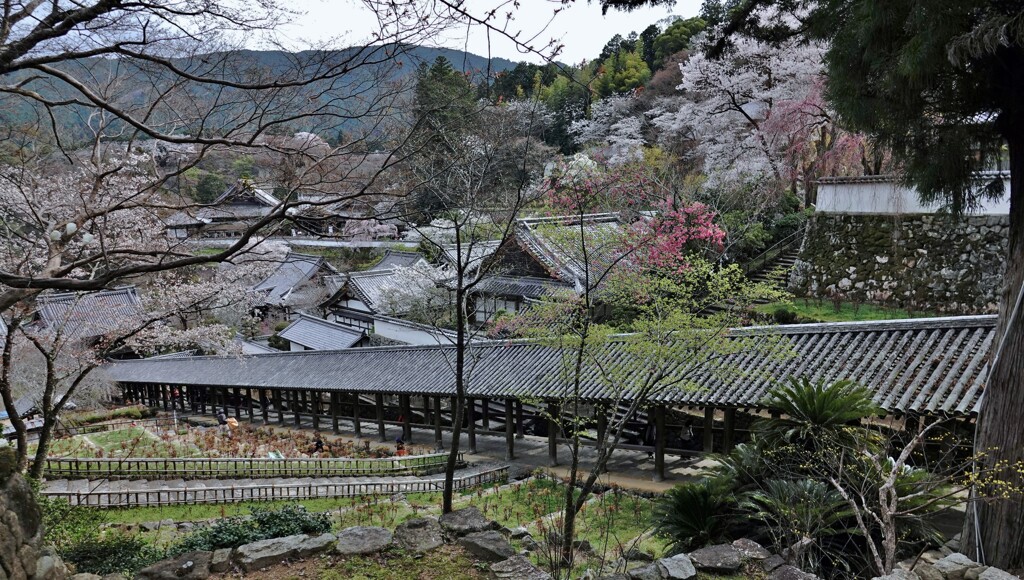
<point>898,575</point>
<point>677,567</point>
<point>648,572</point>
<point>466,521</point>
<point>20,524</point>
<point>360,540</point>
<point>954,566</point>
<point>751,550</point>
<point>221,561</point>
<point>519,533</point>
<point>787,572</point>
<point>49,566</point>
<point>489,546</point>
<point>190,566</point>
<point>996,574</point>
<point>419,535</point>
<point>518,568</point>
<point>722,558</point>
<point>86,576</point>
<point>251,557</point>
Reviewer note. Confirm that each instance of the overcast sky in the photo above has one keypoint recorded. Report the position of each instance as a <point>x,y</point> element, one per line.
<point>580,27</point>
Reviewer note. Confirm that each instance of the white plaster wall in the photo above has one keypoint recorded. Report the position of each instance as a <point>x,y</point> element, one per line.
<point>890,198</point>
<point>408,335</point>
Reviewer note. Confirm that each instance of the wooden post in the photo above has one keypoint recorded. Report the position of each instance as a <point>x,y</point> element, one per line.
<point>202,401</point>
<point>426,410</point>
<point>297,400</point>
<point>357,426</point>
<point>485,408</point>
<point>730,427</point>
<point>379,399</point>
<point>264,412</point>
<point>238,403</point>
<point>709,426</point>
<point>554,414</point>
<point>163,397</point>
<point>248,404</point>
<point>438,441</point>
<point>471,431</point>
<point>277,405</point>
<point>316,407</point>
<point>334,411</point>
<point>510,433</point>
<point>659,443</point>
<point>405,407</point>
<point>520,428</point>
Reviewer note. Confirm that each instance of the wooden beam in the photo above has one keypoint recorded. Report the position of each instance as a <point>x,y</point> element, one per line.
<point>357,426</point>
<point>379,400</point>
<point>471,417</point>
<point>510,433</point>
<point>554,414</point>
<point>659,443</point>
<point>730,429</point>
<point>520,426</point>
<point>438,441</point>
<point>405,406</point>
<point>334,412</point>
<point>709,430</point>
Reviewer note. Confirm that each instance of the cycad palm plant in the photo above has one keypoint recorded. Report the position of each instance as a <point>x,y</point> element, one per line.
<point>815,416</point>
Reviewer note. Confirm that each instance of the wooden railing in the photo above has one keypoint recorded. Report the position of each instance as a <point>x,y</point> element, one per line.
<point>235,468</point>
<point>241,493</point>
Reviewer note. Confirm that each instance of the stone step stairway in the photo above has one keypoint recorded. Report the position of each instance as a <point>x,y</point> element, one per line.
<point>141,492</point>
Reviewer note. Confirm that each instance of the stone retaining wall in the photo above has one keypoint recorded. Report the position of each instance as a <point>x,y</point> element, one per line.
<point>918,262</point>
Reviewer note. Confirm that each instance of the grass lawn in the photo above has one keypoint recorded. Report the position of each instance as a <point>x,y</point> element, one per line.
<point>811,311</point>
<point>519,505</point>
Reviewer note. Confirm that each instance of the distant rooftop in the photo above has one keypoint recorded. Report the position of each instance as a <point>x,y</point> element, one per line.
<point>84,315</point>
<point>319,334</point>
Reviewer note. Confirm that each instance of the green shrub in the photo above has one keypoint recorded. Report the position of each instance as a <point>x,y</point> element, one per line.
<point>66,525</point>
<point>290,520</point>
<point>695,514</point>
<point>264,524</point>
<point>783,315</point>
<point>113,553</point>
<point>226,533</point>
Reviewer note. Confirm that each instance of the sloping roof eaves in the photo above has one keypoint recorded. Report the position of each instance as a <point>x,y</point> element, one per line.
<point>917,366</point>
<point>396,259</point>
<point>319,334</point>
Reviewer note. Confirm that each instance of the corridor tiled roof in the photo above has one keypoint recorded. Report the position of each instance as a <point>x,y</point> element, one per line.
<point>926,366</point>
<point>88,314</point>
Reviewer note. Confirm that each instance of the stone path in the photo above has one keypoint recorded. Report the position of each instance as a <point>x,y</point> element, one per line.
<point>176,491</point>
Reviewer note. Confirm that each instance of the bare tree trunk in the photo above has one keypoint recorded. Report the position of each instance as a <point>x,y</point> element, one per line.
<point>20,431</point>
<point>448,492</point>
<point>996,527</point>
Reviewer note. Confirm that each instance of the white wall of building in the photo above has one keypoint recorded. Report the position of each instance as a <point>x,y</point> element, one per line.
<point>878,196</point>
<point>409,334</point>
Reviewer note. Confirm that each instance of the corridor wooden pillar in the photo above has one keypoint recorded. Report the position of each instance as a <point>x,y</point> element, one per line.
<point>264,412</point>
<point>204,394</point>
<point>164,397</point>
<point>471,430</point>
<point>334,412</point>
<point>316,407</point>
<point>405,408</point>
<point>510,432</point>
<point>659,443</point>
<point>248,404</point>
<point>520,428</point>
<point>238,402</point>
<point>438,441</point>
<point>379,400</point>
<point>357,425</point>
<point>277,406</point>
<point>296,403</point>
<point>730,429</point>
<point>426,410</point>
<point>709,430</point>
<point>554,413</point>
<point>485,409</point>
